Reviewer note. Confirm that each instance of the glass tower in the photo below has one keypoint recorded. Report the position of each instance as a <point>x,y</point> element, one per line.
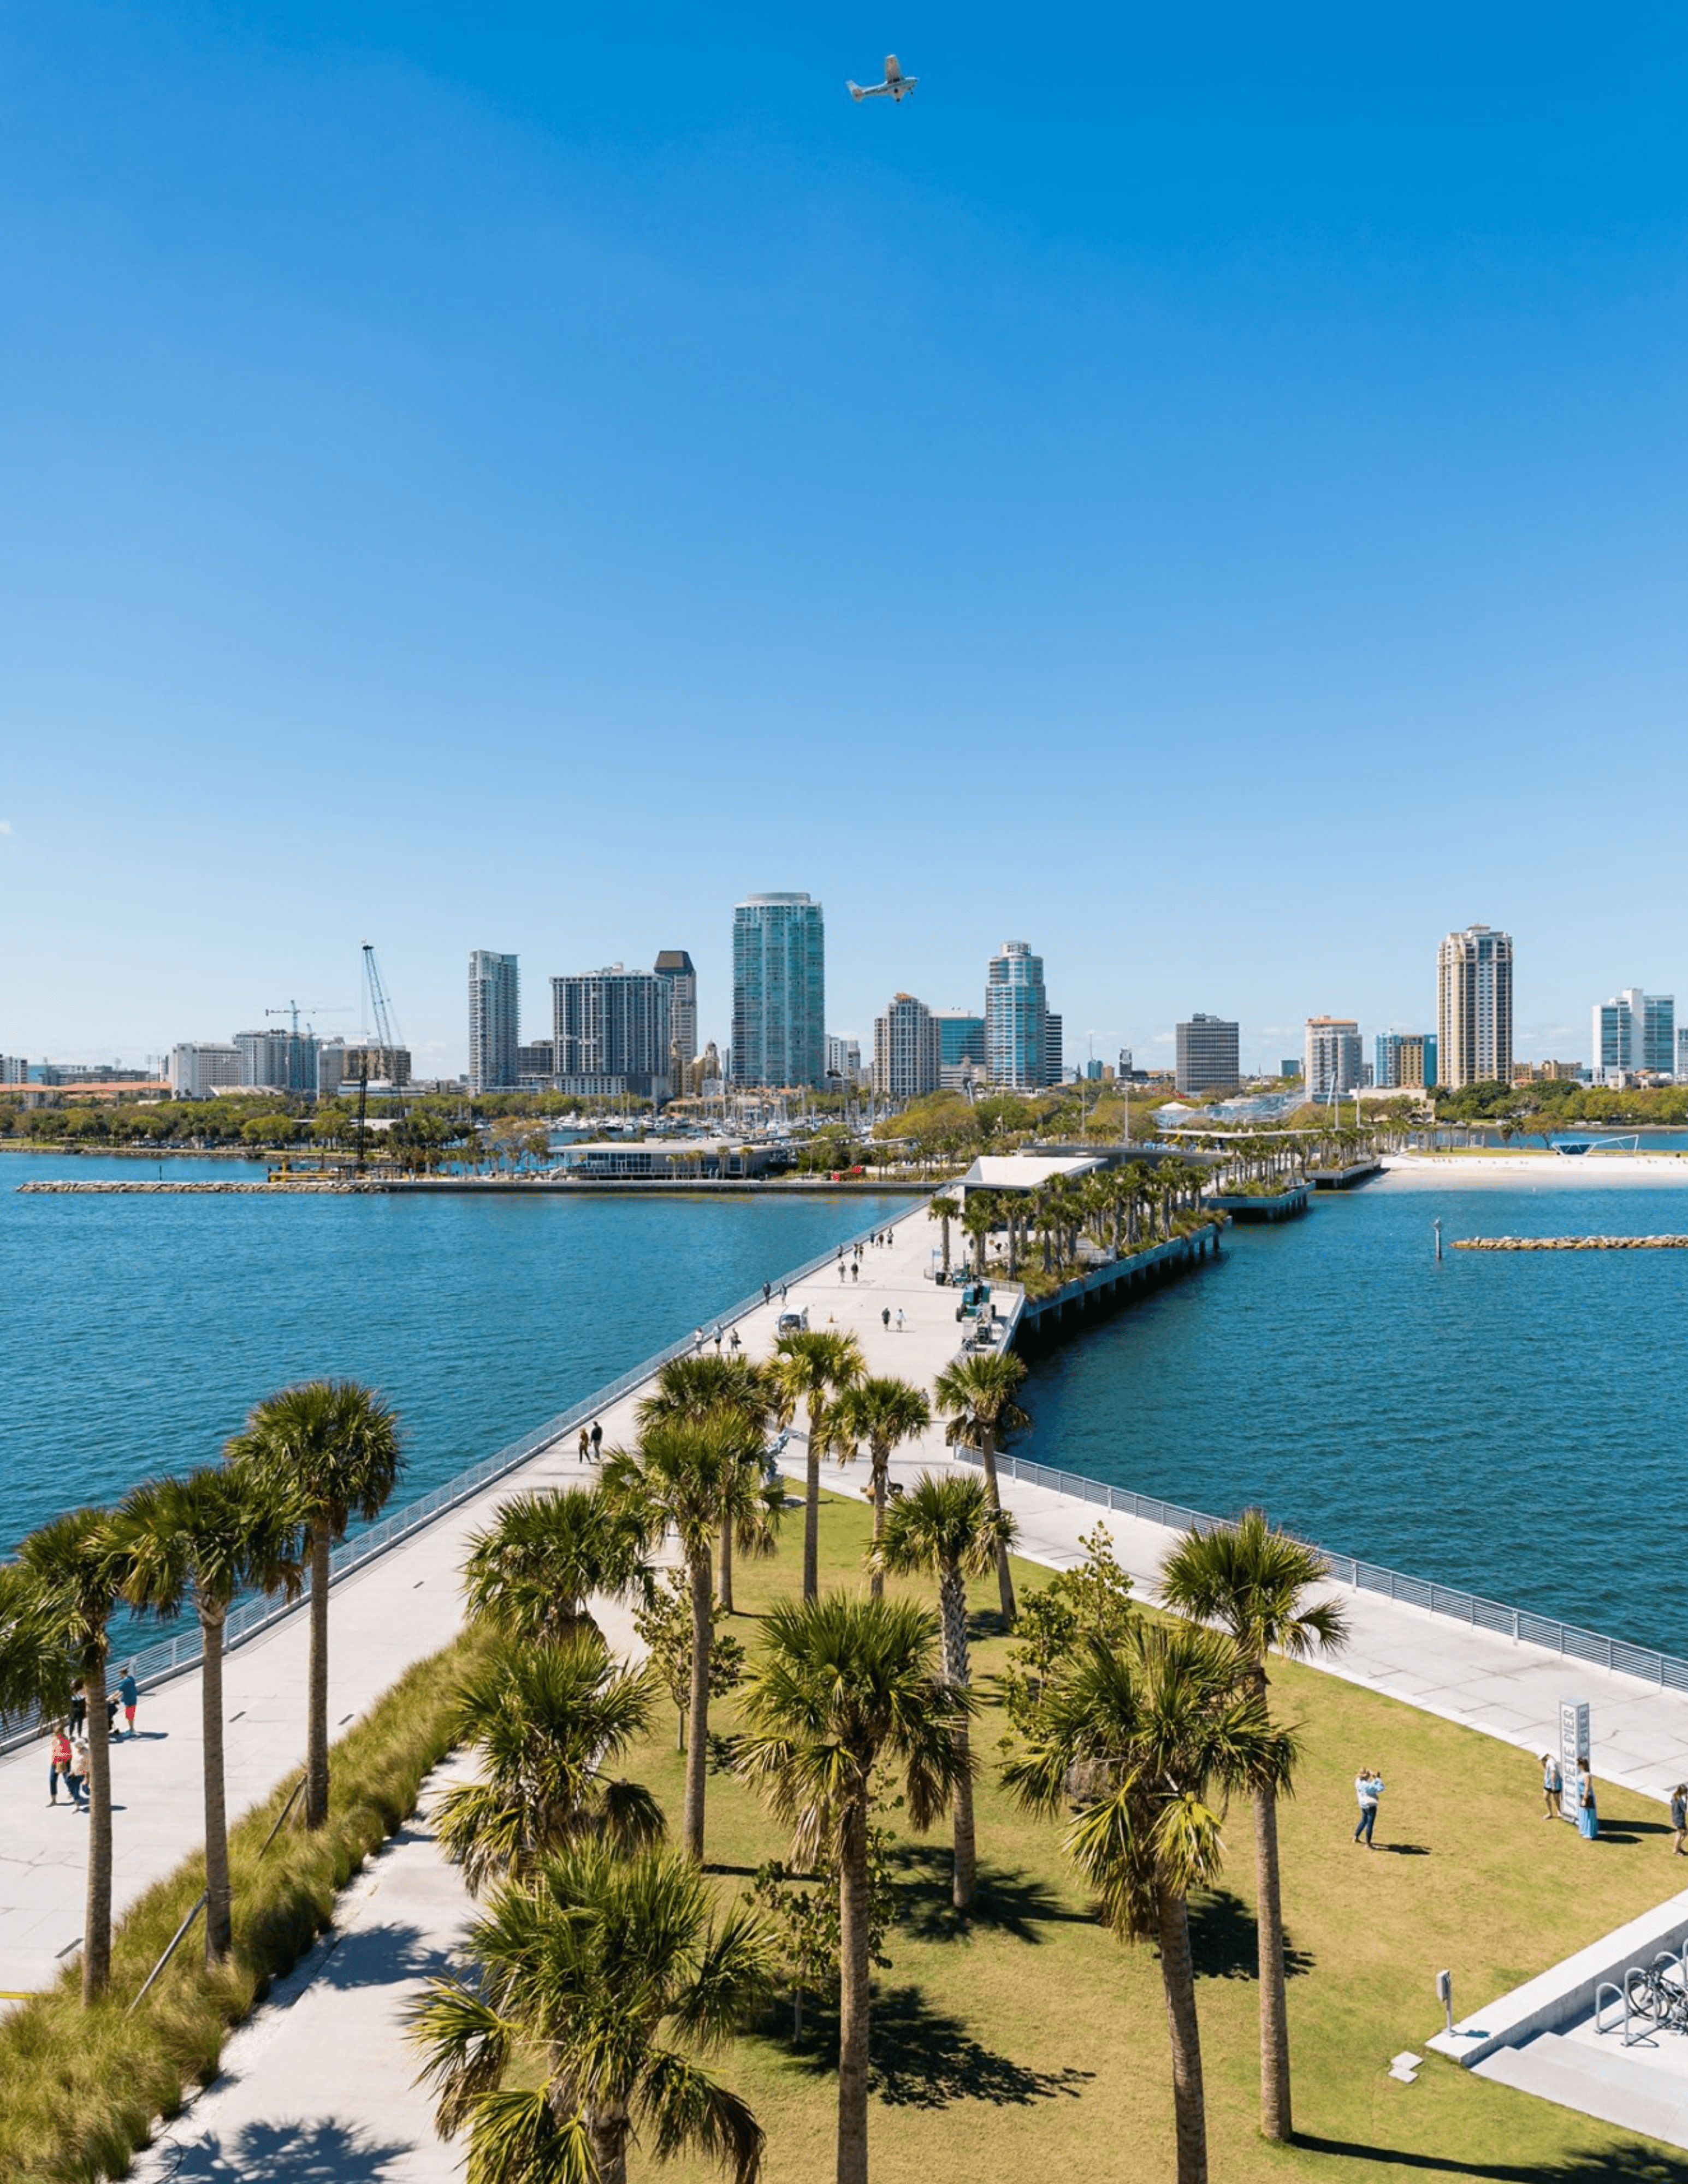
<point>779,996</point>
<point>1017,1019</point>
<point>494,1011</point>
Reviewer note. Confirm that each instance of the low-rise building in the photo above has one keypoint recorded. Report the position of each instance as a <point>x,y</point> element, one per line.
<point>663,1160</point>
<point>199,1067</point>
<point>1333,1063</point>
<point>1405,1059</point>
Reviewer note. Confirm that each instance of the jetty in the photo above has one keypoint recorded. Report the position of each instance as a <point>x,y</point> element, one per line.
<point>1568,1244</point>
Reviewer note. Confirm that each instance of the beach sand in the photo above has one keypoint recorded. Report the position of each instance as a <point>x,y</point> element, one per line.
<point>1534,1171</point>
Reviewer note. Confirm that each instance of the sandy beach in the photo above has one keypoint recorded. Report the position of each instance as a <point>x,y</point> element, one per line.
<point>1533,1170</point>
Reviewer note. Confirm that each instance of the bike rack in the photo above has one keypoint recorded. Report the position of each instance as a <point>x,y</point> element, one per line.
<point>1611,1987</point>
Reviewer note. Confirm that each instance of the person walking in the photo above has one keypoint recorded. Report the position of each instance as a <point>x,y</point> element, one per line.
<point>885,1319</point>
<point>732,1342</point>
<point>1369,1788</point>
<point>696,1340</point>
<point>79,1706</point>
<point>767,1291</point>
<point>900,1319</point>
<point>58,1762</point>
<point>841,1272</point>
<point>1552,1782</point>
<point>78,1776</point>
<point>585,1445</point>
<point>717,1338</point>
<point>597,1441</point>
<point>855,1270</point>
<point>1678,1818</point>
<point>130,1693</point>
<point>1588,1810</point>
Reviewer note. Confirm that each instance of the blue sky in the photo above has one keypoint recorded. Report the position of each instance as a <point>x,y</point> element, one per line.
<point>1200,490</point>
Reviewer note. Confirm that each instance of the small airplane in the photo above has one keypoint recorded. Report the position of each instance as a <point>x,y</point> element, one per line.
<point>896,83</point>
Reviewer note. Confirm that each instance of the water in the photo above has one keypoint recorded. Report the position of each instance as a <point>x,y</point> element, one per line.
<point>1505,1422</point>
<point>139,1331</point>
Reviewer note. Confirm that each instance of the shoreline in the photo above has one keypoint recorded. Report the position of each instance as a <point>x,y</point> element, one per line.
<point>1549,1171</point>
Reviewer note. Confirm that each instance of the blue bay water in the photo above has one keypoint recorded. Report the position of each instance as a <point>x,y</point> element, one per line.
<point>1509,1423</point>
<point>139,1330</point>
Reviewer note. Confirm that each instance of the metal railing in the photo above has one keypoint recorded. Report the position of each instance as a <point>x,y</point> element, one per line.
<point>1521,1624</point>
<point>170,1656</point>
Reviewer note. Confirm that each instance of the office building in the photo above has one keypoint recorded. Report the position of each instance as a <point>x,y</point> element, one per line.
<point>1634,1030</point>
<point>278,1062</point>
<point>907,1050</point>
<point>494,1021</point>
<point>13,1069</point>
<point>779,991</point>
<point>536,1064</point>
<point>1016,1024</point>
<point>1290,1066</point>
<point>197,1068</point>
<point>610,1033</point>
<point>1682,1055</point>
<point>1474,1008</point>
<point>961,1048</point>
<point>383,1065</point>
<point>844,1058</point>
<point>1405,1059</point>
<point>1207,1058</point>
<point>1054,1064</point>
<point>675,966</point>
<point>1333,1057</point>
<point>330,1067</point>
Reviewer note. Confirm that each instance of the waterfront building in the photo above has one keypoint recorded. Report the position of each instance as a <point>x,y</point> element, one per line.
<point>494,1021</point>
<point>1053,1062</point>
<point>1332,1051</point>
<point>610,1033</point>
<point>1405,1059</point>
<point>1634,1030</point>
<point>1538,1072</point>
<point>536,1064</point>
<point>1017,1021</point>
<point>1474,1008</point>
<point>1682,1055</point>
<point>199,1067</point>
<point>961,1048</point>
<point>844,1058</point>
<point>675,966</point>
<point>1207,1055</point>
<point>779,991</point>
<point>278,1062</point>
<point>13,1069</point>
<point>1290,1066</point>
<point>907,1050</point>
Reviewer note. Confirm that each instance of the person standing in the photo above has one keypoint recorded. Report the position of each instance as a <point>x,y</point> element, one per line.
<point>855,1270</point>
<point>1588,1810</point>
<point>900,1319</point>
<point>767,1291</point>
<point>78,1776</point>
<point>79,1706</point>
<point>1552,1782</point>
<point>130,1693</point>
<point>585,1445</point>
<point>58,1762</point>
<point>885,1319</point>
<point>597,1441</point>
<point>1679,1818</point>
<point>1369,1788</point>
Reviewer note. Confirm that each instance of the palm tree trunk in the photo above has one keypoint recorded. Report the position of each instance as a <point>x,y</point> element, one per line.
<point>1005,1582</point>
<point>697,1731</point>
<point>97,1924</point>
<point>853,1996</point>
<point>952,1617</point>
<point>1178,1978</point>
<point>316,1726</point>
<point>811,1505</point>
<point>876,1580</point>
<point>1274,2021</point>
<point>219,1934</point>
<point>608,2134</point>
<point>725,1588</point>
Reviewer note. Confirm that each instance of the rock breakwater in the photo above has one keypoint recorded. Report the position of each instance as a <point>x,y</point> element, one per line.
<point>1569,1243</point>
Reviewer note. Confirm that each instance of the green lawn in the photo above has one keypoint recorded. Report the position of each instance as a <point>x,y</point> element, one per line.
<point>1032,2046</point>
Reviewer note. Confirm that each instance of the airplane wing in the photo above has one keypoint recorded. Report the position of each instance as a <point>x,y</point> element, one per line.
<point>893,73</point>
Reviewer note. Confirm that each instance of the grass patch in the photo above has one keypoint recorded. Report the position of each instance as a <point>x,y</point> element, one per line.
<point>81,2086</point>
<point>1028,2042</point>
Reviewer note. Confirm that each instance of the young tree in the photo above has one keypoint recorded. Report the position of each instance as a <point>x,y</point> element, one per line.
<point>692,1387</point>
<point>691,1473</point>
<point>547,1723</point>
<point>977,1396</point>
<point>1253,1582</point>
<point>612,1975</point>
<point>1148,1735</point>
<point>1057,1621</point>
<point>842,1686</point>
<point>801,1915</point>
<point>811,1367</point>
<point>665,1623</point>
<point>946,1528</point>
<point>883,1412</point>
<point>204,1539</point>
<point>331,1447</point>
<point>528,1576</point>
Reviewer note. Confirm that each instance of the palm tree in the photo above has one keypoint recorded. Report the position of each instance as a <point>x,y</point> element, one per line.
<point>842,1686</point>
<point>701,1476</point>
<point>529,1574</point>
<point>205,1539</point>
<point>945,1209</point>
<point>809,1366</point>
<point>548,1723</point>
<point>976,1396</point>
<point>332,1446</point>
<point>1148,1733</point>
<point>688,1388</point>
<point>947,1527</point>
<point>1253,1582</point>
<point>883,1412</point>
<point>610,1974</point>
<point>59,1597</point>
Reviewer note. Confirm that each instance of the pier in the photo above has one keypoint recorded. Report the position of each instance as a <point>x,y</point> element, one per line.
<point>1287,1204</point>
<point>1043,1321</point>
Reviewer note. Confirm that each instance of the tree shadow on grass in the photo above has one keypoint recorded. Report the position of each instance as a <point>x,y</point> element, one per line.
<point>1224,1944</point>
<point>922,2057</point>
<point>1006,1898</point>
<point>1628,2163</point>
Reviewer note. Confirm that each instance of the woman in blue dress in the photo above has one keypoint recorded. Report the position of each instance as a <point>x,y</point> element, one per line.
<point>1588,1812</point>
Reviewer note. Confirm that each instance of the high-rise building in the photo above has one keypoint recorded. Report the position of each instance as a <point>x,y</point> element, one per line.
<point>844,1058</point>
<point>907,1050</point>
<point>1405,1059</point>
<point>960,1035</point>
<point>675,966</point>
<point>1474,1008</point>
<point>779,991</point>
<point>1016,1040</point>
<point>1054,1059</point>
<point>610,1033</point>
<point>197,1068</point>
<point>277,1062</point>
<point>1634,1030</point>
<point>1208,1055</point>
<point>536,1063</point>
<point>494,1021</point>
<point>1333,1057</point>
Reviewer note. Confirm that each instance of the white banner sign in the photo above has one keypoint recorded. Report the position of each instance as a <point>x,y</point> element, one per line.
<point>1574,1748</point>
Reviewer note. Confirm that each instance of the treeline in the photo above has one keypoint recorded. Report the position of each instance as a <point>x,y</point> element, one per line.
<point>1552,1103</point>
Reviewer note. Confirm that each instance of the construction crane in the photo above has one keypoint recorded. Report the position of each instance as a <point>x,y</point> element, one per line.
<point>386,1045</point>
<point>293,1009</point>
